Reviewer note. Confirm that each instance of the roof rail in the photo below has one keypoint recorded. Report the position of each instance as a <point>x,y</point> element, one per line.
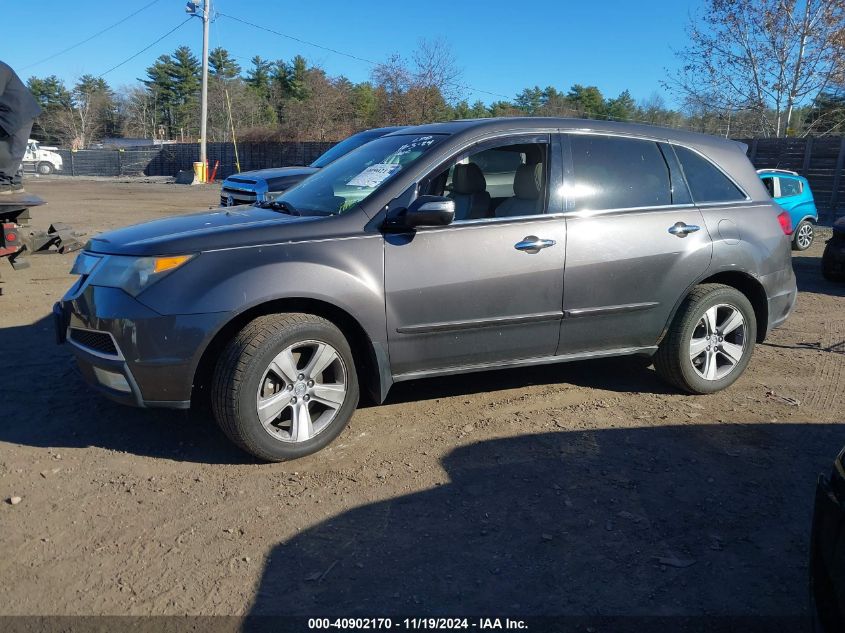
<point>779,171</point>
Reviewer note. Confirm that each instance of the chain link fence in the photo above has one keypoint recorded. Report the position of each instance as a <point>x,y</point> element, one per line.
<point>169,160</point>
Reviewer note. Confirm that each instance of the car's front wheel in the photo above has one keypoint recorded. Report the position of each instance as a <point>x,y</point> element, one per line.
<point>804,235</point>
<point>45,169</point>
<point>710,341</point>
<point>285,386</point>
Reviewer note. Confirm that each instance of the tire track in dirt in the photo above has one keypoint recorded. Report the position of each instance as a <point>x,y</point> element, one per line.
<point>829,375</point>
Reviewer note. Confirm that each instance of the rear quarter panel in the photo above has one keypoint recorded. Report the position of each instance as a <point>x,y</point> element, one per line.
<point>747,238</point>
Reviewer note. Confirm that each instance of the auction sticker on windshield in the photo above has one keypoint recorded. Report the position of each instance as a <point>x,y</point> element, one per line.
<point>374,175</point>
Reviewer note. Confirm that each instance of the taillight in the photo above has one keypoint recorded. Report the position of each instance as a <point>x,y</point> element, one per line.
<point>785,223</point>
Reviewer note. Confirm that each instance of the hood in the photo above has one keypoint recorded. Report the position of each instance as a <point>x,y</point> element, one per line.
<point>223,228</point>
<point>277,179</point>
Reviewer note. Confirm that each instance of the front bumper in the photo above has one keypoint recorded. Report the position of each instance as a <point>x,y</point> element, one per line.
<point>154,357</point>
<point>827,552</point>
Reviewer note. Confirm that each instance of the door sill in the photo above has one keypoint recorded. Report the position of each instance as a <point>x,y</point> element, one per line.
<point>526,362</point>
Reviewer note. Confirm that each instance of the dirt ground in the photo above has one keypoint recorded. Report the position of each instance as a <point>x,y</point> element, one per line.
<point>587,489</point>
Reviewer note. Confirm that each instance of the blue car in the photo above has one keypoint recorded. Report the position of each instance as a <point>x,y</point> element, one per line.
<point>792,192</point>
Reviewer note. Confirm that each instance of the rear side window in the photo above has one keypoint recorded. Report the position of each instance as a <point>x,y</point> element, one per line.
<point>706,182</point>
<point>616,173</point>
<point>769,183</point>
<point>789,187</point>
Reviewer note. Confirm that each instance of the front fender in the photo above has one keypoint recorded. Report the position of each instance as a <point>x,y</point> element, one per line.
<point>347,273</point>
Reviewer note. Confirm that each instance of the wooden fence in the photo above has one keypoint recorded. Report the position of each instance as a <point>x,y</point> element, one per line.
<point>820,160</point>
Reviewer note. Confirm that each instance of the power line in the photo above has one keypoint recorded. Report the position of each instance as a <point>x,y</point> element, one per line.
<point>300,40</point>
<point>88,39</point>
<point>146,48</point>
<point>349,55</point>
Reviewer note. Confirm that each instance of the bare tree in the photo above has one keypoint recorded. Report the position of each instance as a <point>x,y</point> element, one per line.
<point>762,58</point>
<point>139,112</point>
<point>436,74</point>
<point>325,114</point>
<point>421,91</point>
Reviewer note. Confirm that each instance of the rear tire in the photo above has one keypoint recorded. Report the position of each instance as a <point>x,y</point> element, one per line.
<point>285,386</point>
<point>803,237</point>
<point>710,341</point>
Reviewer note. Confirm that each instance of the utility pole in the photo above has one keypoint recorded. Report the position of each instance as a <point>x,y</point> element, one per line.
<point>206,17</point>
<point>191,9</point>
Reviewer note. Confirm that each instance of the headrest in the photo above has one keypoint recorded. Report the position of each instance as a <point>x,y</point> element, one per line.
<point>528,181</point>
<point>468,179</point>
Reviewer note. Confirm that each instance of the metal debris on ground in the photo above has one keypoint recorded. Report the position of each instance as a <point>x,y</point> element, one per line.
<point>15,244</point>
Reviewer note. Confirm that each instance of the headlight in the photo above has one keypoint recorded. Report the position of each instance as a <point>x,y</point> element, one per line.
<point>135,274</point>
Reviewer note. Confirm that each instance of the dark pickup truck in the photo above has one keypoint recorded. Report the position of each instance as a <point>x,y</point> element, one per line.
<point>259,185</point>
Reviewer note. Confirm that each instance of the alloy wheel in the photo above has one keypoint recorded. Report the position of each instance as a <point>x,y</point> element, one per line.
<point>804,238</point>
<point>301,391</point>
<point>718,342</point>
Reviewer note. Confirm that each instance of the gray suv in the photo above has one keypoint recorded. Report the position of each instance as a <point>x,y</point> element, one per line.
<point>438,249</point>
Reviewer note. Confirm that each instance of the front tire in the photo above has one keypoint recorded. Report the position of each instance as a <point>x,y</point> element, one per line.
<point>804,235</point>
<point>710,341</point>
<point>285,386</point>
<point>45,169</point>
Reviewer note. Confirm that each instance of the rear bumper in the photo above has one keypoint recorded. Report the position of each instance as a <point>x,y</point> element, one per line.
<point>781,294</point>
<point>154,357</point>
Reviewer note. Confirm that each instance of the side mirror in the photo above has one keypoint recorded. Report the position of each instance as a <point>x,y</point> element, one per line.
<point>429,211</point>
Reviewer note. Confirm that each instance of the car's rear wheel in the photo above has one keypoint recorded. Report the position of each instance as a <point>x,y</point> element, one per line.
<point>285,387</point>
<point>804,235</point>
<point>710,341</point>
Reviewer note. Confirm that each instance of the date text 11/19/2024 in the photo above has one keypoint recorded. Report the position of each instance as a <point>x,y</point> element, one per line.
<point>417,623</point>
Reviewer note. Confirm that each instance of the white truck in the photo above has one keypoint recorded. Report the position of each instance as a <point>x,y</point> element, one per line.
<point>42,160</point>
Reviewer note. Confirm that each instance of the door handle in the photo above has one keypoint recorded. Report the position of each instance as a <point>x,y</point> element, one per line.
<point>679,229</point>
<point>533,244</point>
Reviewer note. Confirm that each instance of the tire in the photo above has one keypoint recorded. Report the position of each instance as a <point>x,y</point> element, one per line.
<point>803,237</point>
<point>829,271</point>
<point>245,380</point>
<point>676,360</point>
<point>45,169</point>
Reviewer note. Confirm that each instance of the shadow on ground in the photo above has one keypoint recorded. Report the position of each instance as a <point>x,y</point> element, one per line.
<point>678,521</point>
<point>48,404</point>
<point>808,273</point>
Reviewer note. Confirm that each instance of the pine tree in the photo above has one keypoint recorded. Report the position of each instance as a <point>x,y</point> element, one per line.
<point>221,65</point>
<point>258,77</point>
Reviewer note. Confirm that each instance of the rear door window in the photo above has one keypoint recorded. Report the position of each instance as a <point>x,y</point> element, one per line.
<point>707,183</point>
<point>616,173</point>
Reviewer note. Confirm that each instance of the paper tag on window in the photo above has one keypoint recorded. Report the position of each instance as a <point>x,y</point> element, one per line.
<point>374,175</point>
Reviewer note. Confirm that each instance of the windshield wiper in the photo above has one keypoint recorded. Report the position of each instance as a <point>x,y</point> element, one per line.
<point>278,205</point>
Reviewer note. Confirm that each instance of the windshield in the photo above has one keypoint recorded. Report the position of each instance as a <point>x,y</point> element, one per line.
<point>351,179</point>
<point>344,147</point>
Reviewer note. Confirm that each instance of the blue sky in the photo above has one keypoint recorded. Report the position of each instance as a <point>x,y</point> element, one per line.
<point>501,45</point>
